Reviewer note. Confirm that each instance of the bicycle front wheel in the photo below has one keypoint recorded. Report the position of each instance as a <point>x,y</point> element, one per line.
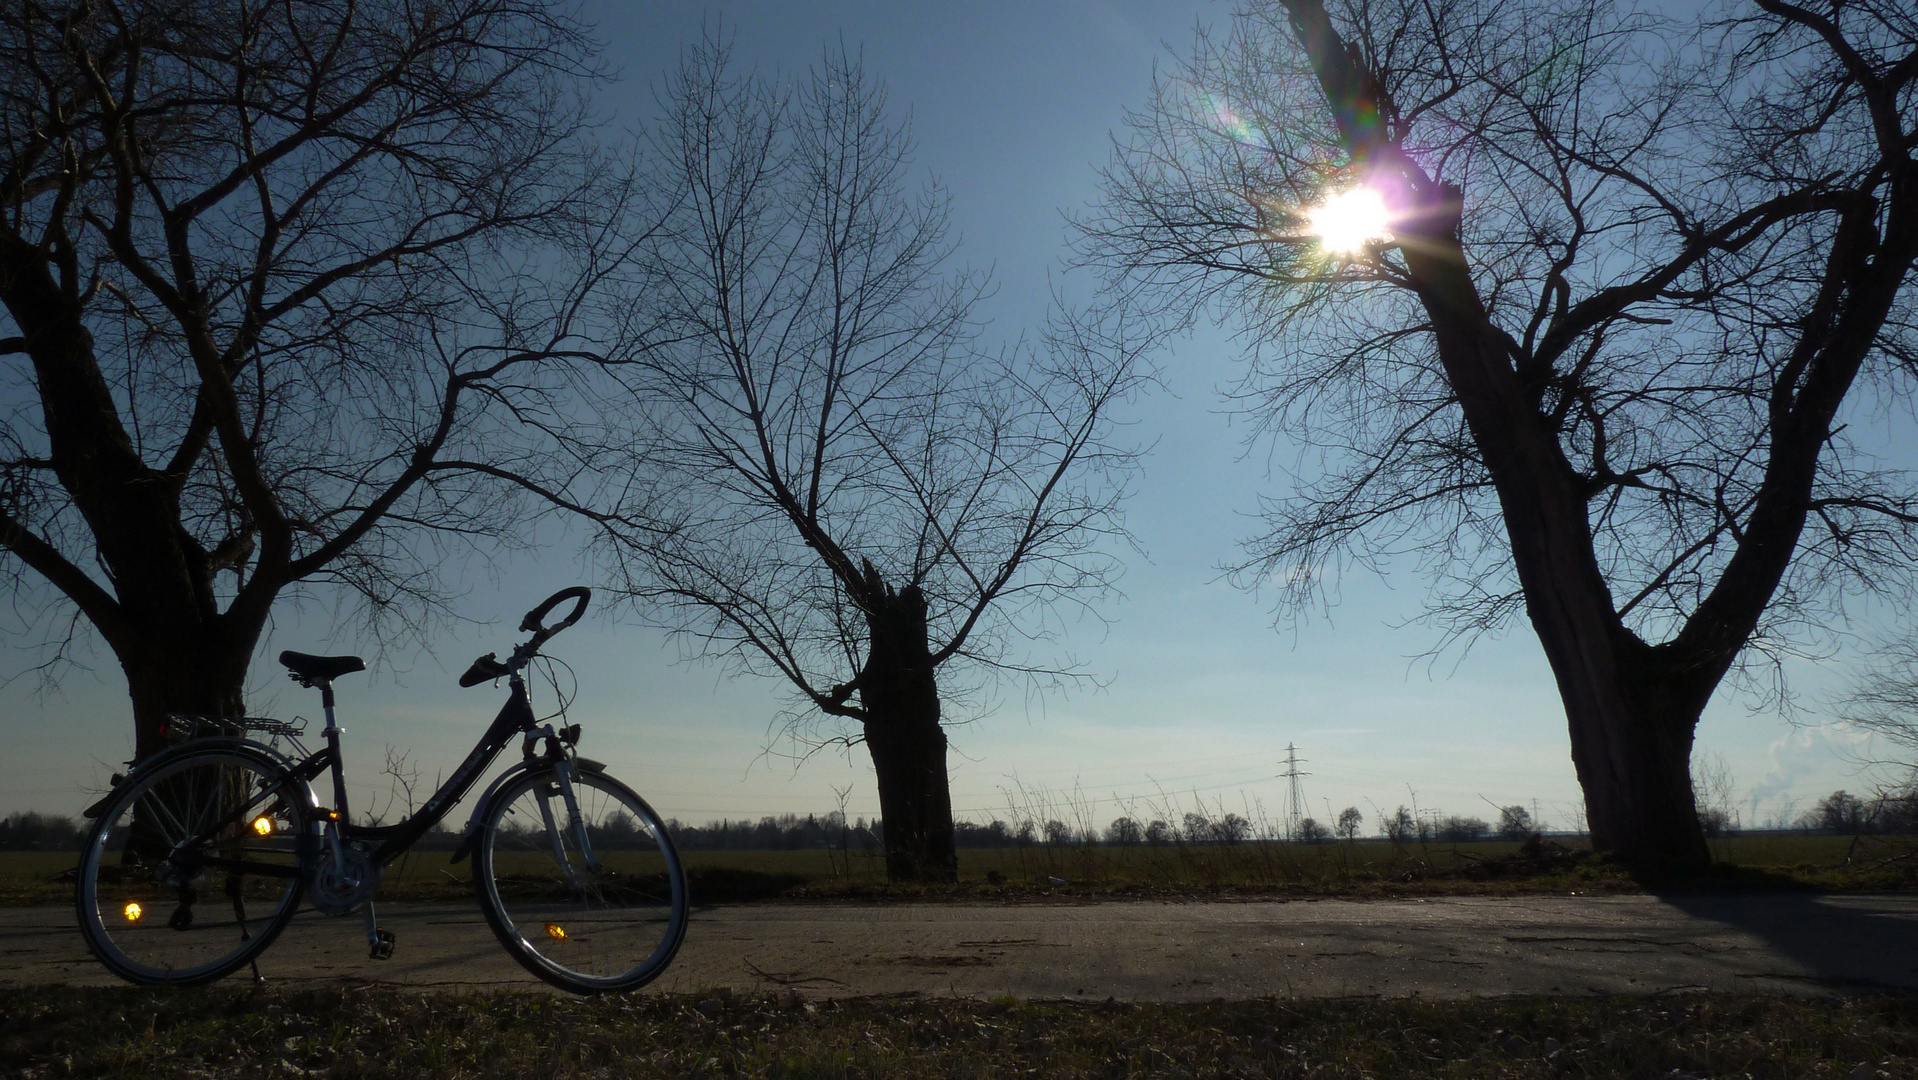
<point>194,866</point>
<point>585,892</point>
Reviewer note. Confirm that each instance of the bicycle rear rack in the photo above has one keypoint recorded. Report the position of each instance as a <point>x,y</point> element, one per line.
<point>183,726</point>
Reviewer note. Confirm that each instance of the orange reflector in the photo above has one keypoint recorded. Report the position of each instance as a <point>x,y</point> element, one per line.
<point>133,912</point>
<point>555,931</point>
<point>263,825</point>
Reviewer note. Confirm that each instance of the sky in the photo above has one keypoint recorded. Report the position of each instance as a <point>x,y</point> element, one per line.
<point>1199,695</point>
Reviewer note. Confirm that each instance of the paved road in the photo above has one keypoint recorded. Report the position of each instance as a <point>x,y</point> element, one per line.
<point>1451,947</point>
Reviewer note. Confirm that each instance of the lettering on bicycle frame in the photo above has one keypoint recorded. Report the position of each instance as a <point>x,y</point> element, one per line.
<point>515,716</point>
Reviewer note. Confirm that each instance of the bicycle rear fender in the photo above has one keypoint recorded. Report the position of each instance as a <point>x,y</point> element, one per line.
<point>272,758</point>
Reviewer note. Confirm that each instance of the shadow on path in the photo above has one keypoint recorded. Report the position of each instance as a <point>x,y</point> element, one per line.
<point>1837,940</point>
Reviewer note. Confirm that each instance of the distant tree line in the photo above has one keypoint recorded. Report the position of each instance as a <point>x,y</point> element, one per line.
<point>34,831</point>
<point>1840,813</point>
<point>1843,814</point>
<point>783,832</point>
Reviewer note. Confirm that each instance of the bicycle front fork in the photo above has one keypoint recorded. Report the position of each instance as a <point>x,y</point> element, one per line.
<point>564,772</point>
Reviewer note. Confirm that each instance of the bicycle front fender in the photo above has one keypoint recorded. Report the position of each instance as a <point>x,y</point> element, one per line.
<point>469,837</point>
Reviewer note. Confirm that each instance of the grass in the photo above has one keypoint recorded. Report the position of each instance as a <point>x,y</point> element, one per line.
<point>1369,868</point>
<point>224,1032</point>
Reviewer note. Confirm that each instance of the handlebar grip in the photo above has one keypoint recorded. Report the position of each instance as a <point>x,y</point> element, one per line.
<point>485,669</point>
<point>532,622</point>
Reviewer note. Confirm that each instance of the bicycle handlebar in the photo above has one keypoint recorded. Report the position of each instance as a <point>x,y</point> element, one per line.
<point>489,667</point>
<point>532,620</point>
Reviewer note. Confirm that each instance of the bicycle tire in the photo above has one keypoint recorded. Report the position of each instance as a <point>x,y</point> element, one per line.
<point>165,822</point>
<point>586,928</point>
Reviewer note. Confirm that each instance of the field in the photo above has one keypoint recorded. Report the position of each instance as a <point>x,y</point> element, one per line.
<point>372,1031</point>
<point>1365,868</point>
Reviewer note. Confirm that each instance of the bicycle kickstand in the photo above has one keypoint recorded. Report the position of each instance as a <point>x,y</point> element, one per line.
<point>379,941</point>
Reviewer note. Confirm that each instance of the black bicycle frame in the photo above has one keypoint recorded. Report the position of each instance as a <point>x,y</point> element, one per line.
<point>389,841</point>
<point>515,719</point>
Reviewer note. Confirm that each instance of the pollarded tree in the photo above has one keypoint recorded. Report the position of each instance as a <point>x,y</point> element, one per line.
<point>831,483</point>
<point>1591,360</point>
<point>271,270</point>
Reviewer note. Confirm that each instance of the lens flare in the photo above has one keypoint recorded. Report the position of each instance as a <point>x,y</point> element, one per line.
<point>1350,220</point>
<point>133,912</point>
<point>555,931</point>
<point>263,825</point>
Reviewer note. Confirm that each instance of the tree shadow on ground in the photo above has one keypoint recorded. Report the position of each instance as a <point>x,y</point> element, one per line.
<point>1834,941</point>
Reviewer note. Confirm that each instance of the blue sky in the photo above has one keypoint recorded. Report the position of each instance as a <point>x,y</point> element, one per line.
<point>1012,105</point>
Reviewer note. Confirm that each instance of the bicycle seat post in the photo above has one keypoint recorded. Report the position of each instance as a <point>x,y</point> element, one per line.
<point>319,672</point>
<point>332,733</point>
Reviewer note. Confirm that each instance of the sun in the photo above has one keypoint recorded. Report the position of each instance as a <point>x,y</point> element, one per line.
<point>1350,220</point>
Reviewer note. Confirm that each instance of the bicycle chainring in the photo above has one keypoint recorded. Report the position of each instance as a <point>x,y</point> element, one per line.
<point>339,889</point>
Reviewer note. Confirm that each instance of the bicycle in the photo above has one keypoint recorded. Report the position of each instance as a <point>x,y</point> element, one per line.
<point>200,855</point>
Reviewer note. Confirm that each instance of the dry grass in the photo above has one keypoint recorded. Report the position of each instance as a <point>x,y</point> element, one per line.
<point>49,1032</point>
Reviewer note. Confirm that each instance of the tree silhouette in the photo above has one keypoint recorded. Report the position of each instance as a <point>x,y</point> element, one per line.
<point>1594,367</point>
<point>821,475</point>
<point>286,283</point>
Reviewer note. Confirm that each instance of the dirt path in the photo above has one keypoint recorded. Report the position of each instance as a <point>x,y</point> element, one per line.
<point>1451,947</point>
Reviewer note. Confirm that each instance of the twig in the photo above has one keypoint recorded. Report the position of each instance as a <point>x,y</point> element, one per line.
<point>791,980</point>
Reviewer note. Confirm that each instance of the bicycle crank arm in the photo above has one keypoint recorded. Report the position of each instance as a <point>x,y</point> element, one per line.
<point>379,940</point>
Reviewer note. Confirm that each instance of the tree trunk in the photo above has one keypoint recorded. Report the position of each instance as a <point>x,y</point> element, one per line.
<point>1634,763</point>
<point>1631,715</point>
<point>901,701</point>
<point>161,617</point>
<point>192,672</point>
<point>178,668</point>
<point>1631,732</point>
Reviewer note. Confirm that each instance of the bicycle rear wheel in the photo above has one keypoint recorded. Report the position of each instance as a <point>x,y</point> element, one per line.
<point>194,866</point>
<point>590,904</point>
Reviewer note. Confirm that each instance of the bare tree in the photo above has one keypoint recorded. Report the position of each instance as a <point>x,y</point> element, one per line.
<point>1515,823</point>
<point>272,272</point>
<point>1234,829</point>
<point>1460,830</point>
<point>1349,823</point>
<point>1592,366</point>
<point>1713,788</point>
<point>1839,813</point>
<point>825,479</point>
<point>1400,826</point>
<point>1883,700</point>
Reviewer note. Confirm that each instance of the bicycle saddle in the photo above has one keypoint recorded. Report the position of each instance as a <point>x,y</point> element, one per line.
<point>311,669</point>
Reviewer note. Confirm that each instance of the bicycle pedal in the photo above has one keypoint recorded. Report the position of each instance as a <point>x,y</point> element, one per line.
<point>382,945</point>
